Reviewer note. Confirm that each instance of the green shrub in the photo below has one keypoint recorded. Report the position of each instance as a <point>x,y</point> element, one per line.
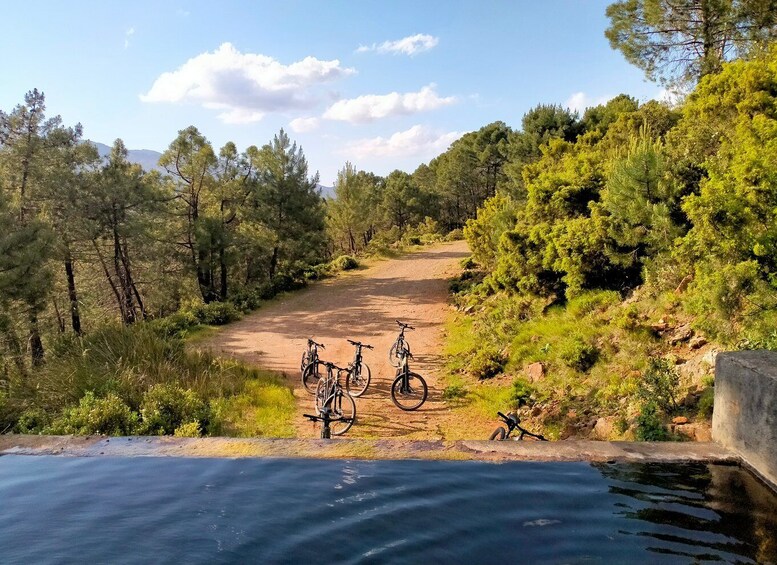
<point>454,392</point>
<point>487,363</point>
<point>455,235</point>
<point>523,393</point>
<point>468,263</point>
<point>215,313</point>
<point>578,354</point>
<point>649,424</point>
<point>32,421</point>
<point>190,429</point>
<point>628,318</point>
<point>592,301</point>
<point>659,384</point>
<point>344,263</point>
<point>175,325</point>
<point>108,415</point>
<point>166,407</point>
<point>246,299</point>
<point>706,403</point>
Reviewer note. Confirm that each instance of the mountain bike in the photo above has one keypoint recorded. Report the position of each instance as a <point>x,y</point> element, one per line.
<point>309,366</point>
<point>358,374</point>
<point>513,423</point>
<point>330,395</point>
<point>326,419</point>
<point>409,390</point>
<point>399,345</point>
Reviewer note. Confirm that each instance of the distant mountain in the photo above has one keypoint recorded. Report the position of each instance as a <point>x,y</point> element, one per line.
<point>146,158</point>
<point>326,191</point>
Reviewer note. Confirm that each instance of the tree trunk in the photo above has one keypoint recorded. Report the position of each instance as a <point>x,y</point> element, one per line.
<point>223,266</point>
<point>36,344</point>
<point>75,314</point>
<point>60,320</point>
<point>273,262</point>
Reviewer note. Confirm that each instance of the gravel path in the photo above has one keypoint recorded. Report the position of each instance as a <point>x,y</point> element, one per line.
<point>362,306</point>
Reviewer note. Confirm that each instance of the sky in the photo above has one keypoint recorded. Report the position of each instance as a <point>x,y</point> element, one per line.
<point>385,85</point>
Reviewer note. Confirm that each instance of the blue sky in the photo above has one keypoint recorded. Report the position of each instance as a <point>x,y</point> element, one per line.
<point>384,85</point>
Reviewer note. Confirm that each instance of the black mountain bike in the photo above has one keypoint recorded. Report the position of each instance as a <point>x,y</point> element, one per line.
<point>326,419</point>
<point>513,423</point>
<point>358,378</point>
<point>395,353</point>
<point>309,366</point>
<point>409,390</point>
<point>331,395</point>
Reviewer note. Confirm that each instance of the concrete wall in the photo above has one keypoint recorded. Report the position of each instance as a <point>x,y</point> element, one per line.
<point>745,415</point>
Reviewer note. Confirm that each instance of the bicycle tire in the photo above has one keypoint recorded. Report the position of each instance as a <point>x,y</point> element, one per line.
<point>320,394</point>
<point>413,398</point>
<point>303,363</point>
<point>311,377</point>
<point>498,435</point>
<point>357,386</point>
<point>344,408</point>
<point>394,358</point>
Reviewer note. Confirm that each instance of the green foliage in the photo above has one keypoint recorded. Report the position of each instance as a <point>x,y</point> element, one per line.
<point>592,301</point>
<point>108,415</point>
<point>523,393</point>
<point>32,421</point>
<point>579,354</point>
<point>650,426</point>
<point>487,363</point>
<point>175,325</point>
<point>706,403</point>
<point>345,263</point>
<point>215,313</point>
<point>166,407</point>
<point>190,429</point>
<point>659,384</point>
<point>454,392</point>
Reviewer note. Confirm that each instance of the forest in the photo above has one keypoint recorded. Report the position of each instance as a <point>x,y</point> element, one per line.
<point>588,233</point>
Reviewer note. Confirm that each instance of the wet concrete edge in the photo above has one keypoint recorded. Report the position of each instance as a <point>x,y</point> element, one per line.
<point>475,450</point>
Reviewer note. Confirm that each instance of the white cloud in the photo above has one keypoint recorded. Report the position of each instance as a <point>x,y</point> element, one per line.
<point>304,125</point>
<point>244,86</point>
<point>418,141</point>
<point>410,45</point>
<point>670,95</point>
<point>127,34</point>
<point>579,101</point>
<point>371,107</point>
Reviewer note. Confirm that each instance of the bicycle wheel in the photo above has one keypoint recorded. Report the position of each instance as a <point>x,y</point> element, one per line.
<point>358,380</point>
<point>410,395</point>
<point>393,356</point>
<point>321,394</point>
<point>303,363</point>
<point>311,377</point>
<point>343,409</point>
<point>499,434</point>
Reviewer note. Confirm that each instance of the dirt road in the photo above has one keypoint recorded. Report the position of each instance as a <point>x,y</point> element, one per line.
<point>363,306</point>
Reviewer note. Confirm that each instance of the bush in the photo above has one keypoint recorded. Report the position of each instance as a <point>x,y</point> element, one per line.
<point>414,240</point>
<point>247,299</point>
<point>190,429</point>
<point>468,263</point>
<point>455,235</point>
<point>628,318</point>
<point>578,354</point>
<point>454,392</point>
<point>523,393</point>
<point>215,313</point>
<point>109,416</point>
<point>167,407</point>
<point>706,403</point>
<point>32,421</point>
<point>345,263</point>
<point>175,325</point>
<point>592,301</point>
<point>487,363</point>
<point>649,424</point>
<point>659,384</point>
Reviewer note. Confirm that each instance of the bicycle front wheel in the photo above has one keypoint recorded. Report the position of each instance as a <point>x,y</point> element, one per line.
<point>409,392</point>
<point>358,380</point>
<point>303,363</point>
<point>310,377</point>
<point>343,412</point>
<point>322,394</point>
<point>394,357</point>
<point>498,435</point>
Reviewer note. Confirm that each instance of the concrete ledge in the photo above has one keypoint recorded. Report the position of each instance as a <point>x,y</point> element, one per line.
<point>745,415</point>
<point>476,450</point>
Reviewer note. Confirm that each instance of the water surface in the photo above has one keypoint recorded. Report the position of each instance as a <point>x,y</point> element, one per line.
<point>165,510</point>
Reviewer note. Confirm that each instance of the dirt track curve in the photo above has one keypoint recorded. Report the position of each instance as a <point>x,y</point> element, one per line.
<point>363,306</point>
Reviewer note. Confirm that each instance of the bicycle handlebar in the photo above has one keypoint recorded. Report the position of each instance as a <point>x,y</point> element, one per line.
<point>330,365</point>
<point>359,344</point>
<point>311,342</point>
<point>404,325</point>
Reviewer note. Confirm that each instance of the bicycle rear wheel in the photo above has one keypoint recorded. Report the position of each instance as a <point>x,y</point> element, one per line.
<point>310,377</point>
<point>322,394</point>
<point>303,363</point>
<point>411,394</point>
<point>358,380</point>
<point>343,409</point>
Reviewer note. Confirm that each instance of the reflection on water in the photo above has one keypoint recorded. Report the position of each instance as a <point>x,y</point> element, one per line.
<point>218,511</point>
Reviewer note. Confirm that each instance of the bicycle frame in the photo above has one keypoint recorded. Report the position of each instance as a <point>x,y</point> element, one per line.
<point>513,423</point>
